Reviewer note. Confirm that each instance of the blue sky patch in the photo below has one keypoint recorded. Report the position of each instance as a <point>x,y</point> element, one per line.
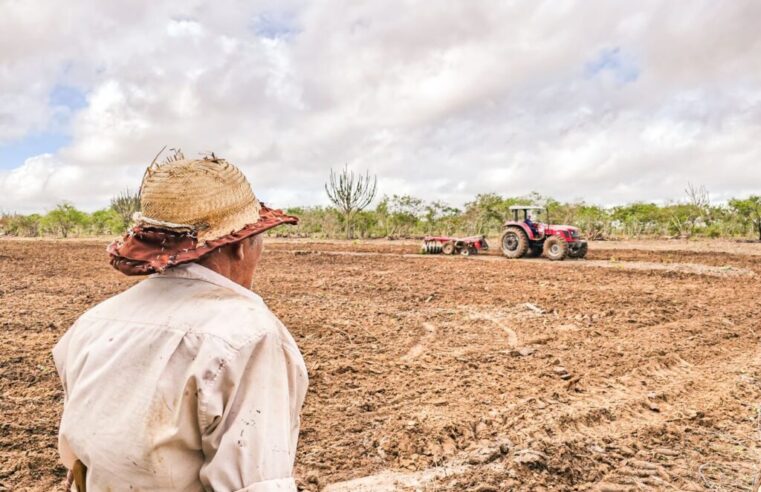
<point>70,97</point>
<point>275,25</point>
<point>615,62</point>
<point>65,101</point>
<point>14,154</point>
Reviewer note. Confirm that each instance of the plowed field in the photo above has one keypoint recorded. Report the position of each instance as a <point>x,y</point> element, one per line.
<point>636,369</point>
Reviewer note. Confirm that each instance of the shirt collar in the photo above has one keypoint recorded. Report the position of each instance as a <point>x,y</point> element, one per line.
<point>194,271</point>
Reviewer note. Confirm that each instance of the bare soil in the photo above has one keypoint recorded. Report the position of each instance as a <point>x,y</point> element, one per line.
<point>449,373</point>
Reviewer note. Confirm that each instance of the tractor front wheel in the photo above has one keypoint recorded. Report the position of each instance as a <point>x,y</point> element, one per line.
<point>514,242</point>
<point>578,251</point>
<point>555,248</point>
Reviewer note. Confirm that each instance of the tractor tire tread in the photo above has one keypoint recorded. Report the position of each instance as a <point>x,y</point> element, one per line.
<point>523,244</point>
<point>555,248</point>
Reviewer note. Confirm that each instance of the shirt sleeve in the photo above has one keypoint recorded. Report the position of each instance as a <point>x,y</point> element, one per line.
<point>60,353</point>
<point>251,417</point>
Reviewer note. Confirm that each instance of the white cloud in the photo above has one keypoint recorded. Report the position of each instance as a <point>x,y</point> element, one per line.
<point>38,176</point>
<point>442,101</point>
<point>184,28</point>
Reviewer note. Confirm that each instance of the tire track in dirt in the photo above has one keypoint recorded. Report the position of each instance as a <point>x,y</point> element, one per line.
<point>422,344</point>
<point>647,397</point>
<point>512,336</point>
<point>604,412</point>
<point>607,408</point>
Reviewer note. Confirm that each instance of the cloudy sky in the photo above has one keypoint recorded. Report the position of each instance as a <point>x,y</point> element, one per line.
<point>604,101</point>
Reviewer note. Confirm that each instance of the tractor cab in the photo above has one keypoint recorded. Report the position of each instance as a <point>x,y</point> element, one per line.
<point>532,216</point>
<point>523,212</point>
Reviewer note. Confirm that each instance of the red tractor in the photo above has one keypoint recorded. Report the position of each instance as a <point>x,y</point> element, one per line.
<point>524,237</point>
<point>448,245</point>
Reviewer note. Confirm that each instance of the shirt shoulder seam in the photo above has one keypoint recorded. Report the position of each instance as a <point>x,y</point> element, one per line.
<point>233,346</point>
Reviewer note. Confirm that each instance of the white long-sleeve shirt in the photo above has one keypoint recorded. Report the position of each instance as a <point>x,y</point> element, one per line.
<point>184,382</point>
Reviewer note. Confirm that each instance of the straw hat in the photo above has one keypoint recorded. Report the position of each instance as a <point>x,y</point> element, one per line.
<point>190,207</point>
<point>209,197</point>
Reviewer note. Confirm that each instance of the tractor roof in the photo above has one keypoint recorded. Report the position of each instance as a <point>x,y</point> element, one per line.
<point>526,207</point>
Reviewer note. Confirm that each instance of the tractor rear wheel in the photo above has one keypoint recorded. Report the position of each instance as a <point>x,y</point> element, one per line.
<point>555,248</point>
<point>448,248</point>
<point>514,242</point>
<point>578,251</point>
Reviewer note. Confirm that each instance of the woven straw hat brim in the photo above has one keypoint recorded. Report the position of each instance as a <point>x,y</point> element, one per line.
<point>146,250</point>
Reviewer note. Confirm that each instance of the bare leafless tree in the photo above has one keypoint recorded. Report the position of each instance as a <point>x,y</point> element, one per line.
<point>350,193</point>
<point>698,196</point>
<point>700,200</point>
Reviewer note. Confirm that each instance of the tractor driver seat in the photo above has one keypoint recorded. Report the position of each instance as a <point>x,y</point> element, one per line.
<point>531,225</point>
<point>537,229</point>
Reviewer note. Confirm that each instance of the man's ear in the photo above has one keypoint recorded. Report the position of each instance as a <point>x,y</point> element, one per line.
<point>239,250</point>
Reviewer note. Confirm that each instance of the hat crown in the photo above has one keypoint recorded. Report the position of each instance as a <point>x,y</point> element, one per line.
<point>210,196</point>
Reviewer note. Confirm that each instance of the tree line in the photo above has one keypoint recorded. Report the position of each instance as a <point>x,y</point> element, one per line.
<point>405,216</point>
<point>65,220</point>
